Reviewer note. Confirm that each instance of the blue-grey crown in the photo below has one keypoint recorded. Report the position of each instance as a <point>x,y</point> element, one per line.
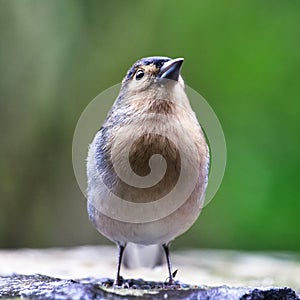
<point>158,61</point>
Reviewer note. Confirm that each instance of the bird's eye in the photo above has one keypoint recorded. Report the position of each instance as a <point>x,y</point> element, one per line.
<point>139,74</point>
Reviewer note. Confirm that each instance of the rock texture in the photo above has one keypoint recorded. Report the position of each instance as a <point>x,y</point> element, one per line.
<point>45,287</point>
<point>85,272</point>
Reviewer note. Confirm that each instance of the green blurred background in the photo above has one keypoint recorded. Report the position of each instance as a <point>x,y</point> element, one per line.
<point>242,56</point>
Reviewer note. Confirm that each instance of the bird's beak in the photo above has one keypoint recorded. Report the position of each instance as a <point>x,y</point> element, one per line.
<point>171,69</point>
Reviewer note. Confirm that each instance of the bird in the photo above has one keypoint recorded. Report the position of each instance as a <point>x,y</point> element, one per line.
<point>148,164</point>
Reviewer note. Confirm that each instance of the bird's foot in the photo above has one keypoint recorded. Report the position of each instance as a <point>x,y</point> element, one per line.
<point>170,281</point>
<point>171,284</point>
<point>118,282</point>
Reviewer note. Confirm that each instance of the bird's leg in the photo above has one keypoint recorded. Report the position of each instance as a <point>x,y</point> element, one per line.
<point>121,248</point>
<point>166,249</point>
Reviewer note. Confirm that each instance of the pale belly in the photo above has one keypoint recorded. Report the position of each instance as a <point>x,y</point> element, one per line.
<point>156,232</point>
<point>164,227</point>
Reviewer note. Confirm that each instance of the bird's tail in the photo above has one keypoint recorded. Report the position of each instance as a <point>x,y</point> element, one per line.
<point>136,256</point>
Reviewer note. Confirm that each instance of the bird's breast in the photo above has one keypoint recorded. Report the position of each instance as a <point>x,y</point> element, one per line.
<point>151,154</point>
<point>144,160</point>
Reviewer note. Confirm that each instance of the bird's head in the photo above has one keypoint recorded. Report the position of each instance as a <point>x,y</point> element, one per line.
<point>152,76</point>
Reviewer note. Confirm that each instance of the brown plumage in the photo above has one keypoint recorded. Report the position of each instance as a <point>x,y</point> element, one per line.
<point>150,127</point>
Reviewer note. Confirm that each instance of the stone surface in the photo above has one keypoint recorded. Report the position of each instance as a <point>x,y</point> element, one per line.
<point>45,287</point>
<point>211,274</point>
